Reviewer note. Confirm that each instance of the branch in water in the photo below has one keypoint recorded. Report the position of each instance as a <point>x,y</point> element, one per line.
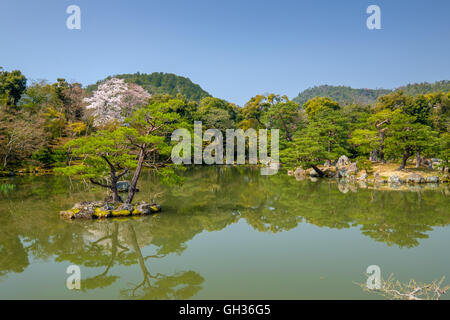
<point>395,290</point>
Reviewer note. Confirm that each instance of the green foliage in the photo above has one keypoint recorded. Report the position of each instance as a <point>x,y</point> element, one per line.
<point>444,149</point>
<point>440,110</point>
<point>320,105</point>
<point>364,164</point>
<point>49,157</point>
<point>406,135</point>
<point>216,113</point>
<point>6,188</point>
<point>43,117</point>
<point>253,112</point>
<point>95,149</point>
<point>365,140</point>
<point>323,139</point>
<point>425,87</point>
<point>12,85</point>
<point>284,115</point>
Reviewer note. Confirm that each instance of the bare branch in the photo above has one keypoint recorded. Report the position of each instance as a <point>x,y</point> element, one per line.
<point>100,184</point>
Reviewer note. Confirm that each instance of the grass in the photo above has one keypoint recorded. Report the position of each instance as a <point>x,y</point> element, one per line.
<point>6,187</point>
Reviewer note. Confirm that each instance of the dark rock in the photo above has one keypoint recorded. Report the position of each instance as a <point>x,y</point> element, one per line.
<point>123,186</point>
<point>314,173</point>
<point>85,213</point>
<point>142,208</point>
<point>329,173</point>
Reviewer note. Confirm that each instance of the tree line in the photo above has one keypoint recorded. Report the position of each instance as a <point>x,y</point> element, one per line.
<point>56,124</point>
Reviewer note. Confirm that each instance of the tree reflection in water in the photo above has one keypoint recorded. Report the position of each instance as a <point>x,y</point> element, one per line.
<point>211,199</point>
<point>121,244</point>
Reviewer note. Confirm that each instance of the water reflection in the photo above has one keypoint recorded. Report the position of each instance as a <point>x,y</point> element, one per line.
<point>210,200</point>
<point>117,243</point>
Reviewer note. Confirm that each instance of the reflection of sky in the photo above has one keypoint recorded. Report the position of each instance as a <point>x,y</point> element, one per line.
<point>222,236</point>
<point>239,262</point>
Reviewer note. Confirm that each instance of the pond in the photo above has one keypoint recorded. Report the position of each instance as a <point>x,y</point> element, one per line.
<point>226,233</point>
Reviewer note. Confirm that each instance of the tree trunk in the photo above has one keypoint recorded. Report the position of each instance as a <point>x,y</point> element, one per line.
<point>136,175</point>
<point>288,134</point>
<point>320,172</point>
<point>405,158</point>
<point>115,192</point>
<point>382,147</point>
<point>418,159</point>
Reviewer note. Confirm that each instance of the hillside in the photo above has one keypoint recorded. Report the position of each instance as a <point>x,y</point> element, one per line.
<point>425,87</point>
<point>348,95</point>
<point>159,82</point>
<point>342,94</point>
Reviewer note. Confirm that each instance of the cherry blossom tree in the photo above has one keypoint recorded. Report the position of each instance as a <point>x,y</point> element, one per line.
<point>114,100</point>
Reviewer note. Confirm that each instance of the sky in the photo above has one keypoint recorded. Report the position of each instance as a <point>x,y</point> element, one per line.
<point>233,49</point>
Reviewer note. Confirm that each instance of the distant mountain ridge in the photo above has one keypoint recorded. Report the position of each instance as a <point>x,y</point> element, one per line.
<point>348,95</point>
<point>160,83</point>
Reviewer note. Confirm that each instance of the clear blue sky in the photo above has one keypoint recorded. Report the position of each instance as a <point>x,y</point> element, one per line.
<point>234,49</point>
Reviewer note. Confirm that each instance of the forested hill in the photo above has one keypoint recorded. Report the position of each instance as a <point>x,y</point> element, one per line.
<point>342,94</point>
<point>159,82</point>
<point>348,95</point>
<point>425,87</point>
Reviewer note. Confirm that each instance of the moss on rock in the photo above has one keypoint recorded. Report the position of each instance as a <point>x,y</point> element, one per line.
<point>101,210</point>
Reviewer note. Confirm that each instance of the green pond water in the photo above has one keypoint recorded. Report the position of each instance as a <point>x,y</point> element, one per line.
<point>226,233</point>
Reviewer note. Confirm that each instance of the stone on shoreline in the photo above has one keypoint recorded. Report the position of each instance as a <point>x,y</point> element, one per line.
<point>363,177</point>
<point>299,172</point>
<point>313,173</point>
<point>415,178</point>
<point>352,169</point>
<point>394,179</point>
<point>343,161</point>
<point>432,179</point>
